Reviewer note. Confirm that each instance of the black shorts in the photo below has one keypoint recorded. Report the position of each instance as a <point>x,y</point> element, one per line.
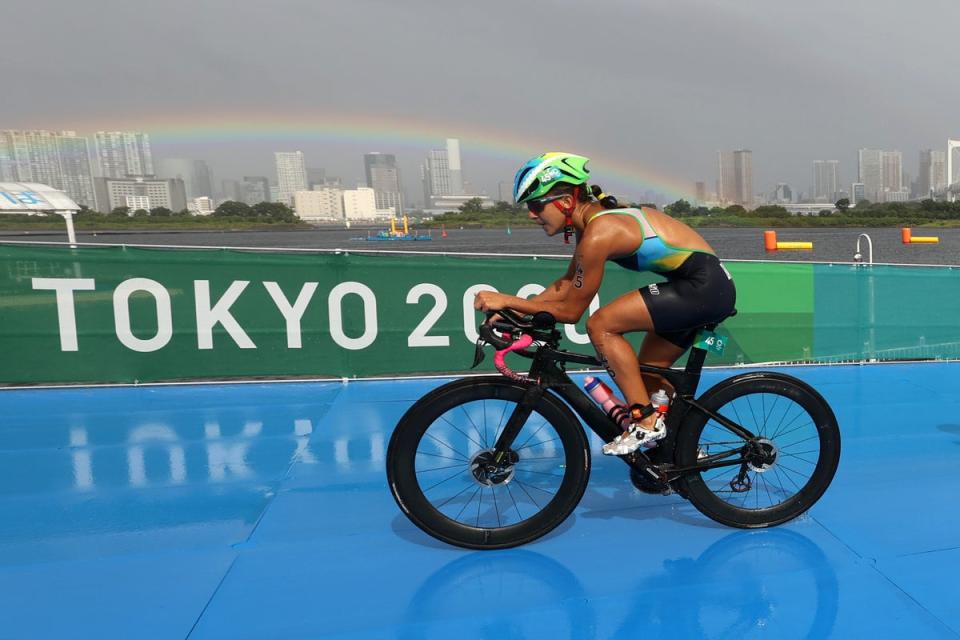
<point>698,292</point>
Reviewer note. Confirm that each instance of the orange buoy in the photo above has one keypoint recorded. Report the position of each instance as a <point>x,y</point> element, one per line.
<point>770,243</point>
<point>770,240</point>
<point>905,235</point>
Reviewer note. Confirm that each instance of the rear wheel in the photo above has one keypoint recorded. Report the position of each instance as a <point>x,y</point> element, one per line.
<point>443,475</point>
<point>781,472</point>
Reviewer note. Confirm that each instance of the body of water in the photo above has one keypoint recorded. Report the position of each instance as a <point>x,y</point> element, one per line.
<point>829,245</point>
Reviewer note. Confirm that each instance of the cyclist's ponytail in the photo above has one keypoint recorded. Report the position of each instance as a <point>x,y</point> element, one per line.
<point>608,202</point>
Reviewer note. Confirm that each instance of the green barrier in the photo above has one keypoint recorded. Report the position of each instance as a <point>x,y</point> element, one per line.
<point>884,312</point>
<point>114,314</point>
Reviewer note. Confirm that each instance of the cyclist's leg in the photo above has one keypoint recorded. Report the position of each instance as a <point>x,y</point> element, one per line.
<point>606,329</point>
<point>658,351</point>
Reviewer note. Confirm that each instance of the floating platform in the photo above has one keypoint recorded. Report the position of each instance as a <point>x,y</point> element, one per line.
<point>770,243</point>
<point>907,237</point>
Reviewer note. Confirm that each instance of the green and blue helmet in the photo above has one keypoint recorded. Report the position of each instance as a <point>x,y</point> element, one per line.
<point>541,174</point>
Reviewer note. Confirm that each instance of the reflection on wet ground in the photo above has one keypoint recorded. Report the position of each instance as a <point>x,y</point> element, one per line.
<point>261,510</point>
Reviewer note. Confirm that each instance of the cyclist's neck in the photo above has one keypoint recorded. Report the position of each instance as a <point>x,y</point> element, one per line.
<point>584,213</point>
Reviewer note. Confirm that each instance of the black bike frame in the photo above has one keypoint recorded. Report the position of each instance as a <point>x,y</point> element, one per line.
<point>547,372</point>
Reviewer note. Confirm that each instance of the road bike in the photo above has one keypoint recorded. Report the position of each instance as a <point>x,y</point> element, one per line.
<point>497,461</point>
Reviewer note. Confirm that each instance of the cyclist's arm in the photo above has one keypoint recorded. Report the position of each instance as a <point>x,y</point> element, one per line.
<point>558,289</point>
<point>569,296</point>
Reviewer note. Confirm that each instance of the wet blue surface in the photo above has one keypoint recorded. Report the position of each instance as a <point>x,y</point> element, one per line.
<point>261,510</point>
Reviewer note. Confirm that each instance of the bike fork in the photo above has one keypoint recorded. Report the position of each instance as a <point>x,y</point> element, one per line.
<point>516,421</point>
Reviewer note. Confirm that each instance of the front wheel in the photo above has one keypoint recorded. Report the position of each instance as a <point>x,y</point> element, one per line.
<point>441,470</point>
<point>781,472</point>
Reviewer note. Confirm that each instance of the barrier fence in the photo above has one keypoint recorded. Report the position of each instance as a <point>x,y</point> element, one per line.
<point>122,314</point>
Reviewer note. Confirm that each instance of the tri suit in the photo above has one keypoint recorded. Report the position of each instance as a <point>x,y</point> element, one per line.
<point>698,290</point>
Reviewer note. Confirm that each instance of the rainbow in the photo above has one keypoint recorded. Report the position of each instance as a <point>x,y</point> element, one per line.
<point>383,132</point>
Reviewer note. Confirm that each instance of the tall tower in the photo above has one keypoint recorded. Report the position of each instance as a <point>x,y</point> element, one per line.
<point>743,177</point>
<point>194,173</point>
<point>291,175</point>
<point>826,180</point>
<point>60,159</point>
<point>453,161</point>
<point>383,177</point>
<point>953,148</point>
<point>932,177</point>
<point>871,174</point>
<point>123,153</point>
<point>892,171</point>
<point>726,180</point>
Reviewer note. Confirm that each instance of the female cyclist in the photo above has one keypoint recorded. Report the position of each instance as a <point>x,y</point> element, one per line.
<point>698,289</point>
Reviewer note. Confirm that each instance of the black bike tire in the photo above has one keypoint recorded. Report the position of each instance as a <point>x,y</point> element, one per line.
<point>401,473</point>
<point>714,507</point>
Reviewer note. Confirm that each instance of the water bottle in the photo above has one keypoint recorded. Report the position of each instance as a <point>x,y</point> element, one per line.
<point>603,395</point>
<point>660,401</point>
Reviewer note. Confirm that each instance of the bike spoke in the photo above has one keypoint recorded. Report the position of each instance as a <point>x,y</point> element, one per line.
<point>467,503</point>
<point>434,486</point>
<point>452,466</point>
<point>515,505</point>
<point>436,455</point>
<point>460,431</point>
<point>448,446</point>
<point>557,439</point>
<point>533,486</point>
<point>455,441</point>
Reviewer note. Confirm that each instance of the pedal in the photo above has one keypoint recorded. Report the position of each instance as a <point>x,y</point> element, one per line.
<point>638,460</point>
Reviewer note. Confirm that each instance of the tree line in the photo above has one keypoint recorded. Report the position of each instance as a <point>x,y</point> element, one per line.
<point>865,213</point>
<point>231,209</point>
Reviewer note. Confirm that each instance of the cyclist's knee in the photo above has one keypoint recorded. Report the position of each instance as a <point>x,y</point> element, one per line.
<point>598,326</point>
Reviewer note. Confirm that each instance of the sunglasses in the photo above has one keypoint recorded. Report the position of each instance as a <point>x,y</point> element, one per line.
<point>537,206</point>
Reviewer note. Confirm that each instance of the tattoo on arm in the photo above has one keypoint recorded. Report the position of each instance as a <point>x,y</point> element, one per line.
<point>578,276</point>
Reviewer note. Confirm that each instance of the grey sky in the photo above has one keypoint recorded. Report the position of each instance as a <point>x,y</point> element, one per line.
<point>663,82</point>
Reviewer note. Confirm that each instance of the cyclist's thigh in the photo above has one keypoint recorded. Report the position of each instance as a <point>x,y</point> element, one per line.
<point>624,314</point>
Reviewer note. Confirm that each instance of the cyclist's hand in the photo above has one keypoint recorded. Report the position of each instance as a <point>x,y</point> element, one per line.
<point>490,301</point>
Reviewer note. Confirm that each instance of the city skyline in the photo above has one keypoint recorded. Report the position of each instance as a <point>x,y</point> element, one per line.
<point>652,118</point>
<point>881,172</point>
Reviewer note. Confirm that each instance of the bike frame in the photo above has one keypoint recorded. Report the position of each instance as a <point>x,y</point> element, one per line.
<point>548,373</point>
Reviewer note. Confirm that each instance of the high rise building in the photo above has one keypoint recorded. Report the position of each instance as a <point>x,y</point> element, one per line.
<point>360,204</point>
<point>60,159</point>
<point>291,175</point>
<point>826,180</point>
<point>700,191</point>
<point>123,153</point>
<point>870,168</point>
<point>324,204</point>
<point>231,190</point>
<point>442,176</point>
<point>141,193</point>
<point>953,167</point>
<point>857,193</point>
<point>782,194</point>
<point>736,177</point>
<point>892,172</point>
<point>194,173</point>
<point>256,189</point>
<point>453,162</point>
<point>436,176</point>
<point>743,166</point>
<point>383,177</point>
<point>726,180</point>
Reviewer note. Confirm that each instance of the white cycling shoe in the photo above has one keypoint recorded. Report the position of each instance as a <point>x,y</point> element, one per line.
<point>634,438</point>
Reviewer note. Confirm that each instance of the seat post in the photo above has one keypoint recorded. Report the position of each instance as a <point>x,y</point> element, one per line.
<point>695,361</point>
